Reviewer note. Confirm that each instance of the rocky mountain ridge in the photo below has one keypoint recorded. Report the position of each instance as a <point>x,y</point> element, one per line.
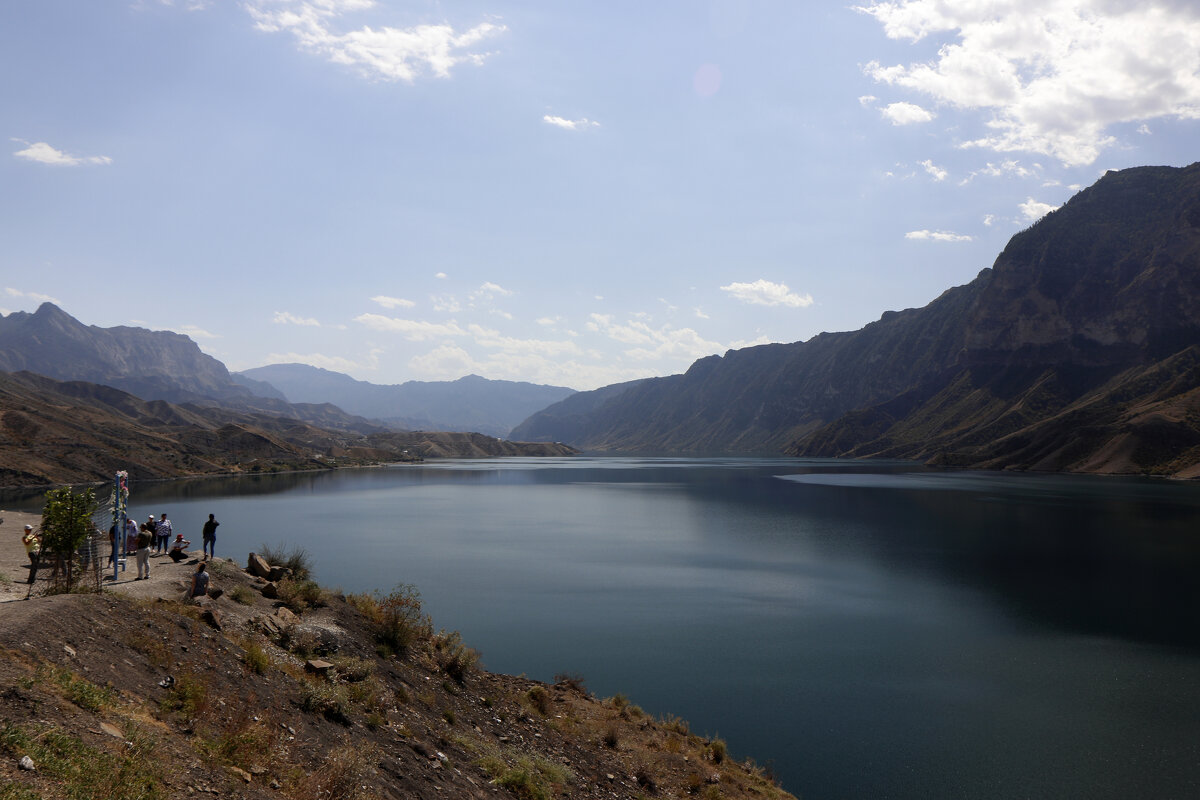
<point>54,432</point>
<point>470,403</point>
<point>1075,351</point>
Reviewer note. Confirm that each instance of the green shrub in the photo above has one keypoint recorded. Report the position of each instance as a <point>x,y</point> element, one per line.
<point>454,657</point>
<point>398,620</point>
<point>300,595</point>
<point>242,594</point>
<point>717,751</point>
<point>327,699</point>
<point>256,658</point>
<point>81,691</point>
<point>539,700</point>
<point>188,697</point>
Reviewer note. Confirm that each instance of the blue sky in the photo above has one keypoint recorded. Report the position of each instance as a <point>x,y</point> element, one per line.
<point>566,193</point>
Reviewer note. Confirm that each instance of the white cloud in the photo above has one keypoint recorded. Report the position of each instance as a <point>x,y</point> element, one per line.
<point>396,54</point>
<point>489,291</point>
<point>934,171</point>
<point>866,100</point>
<point>448,361</point>
<point>1032,210</point>
<point>648,343</point>
<point>36,296</point>
<point>1053,75</point>
<point>766,293</point>
<point>1144,129</point>
<point>445,303</point>
<point>42,153</point>
<point>411,329</point>
<point>335,363</point>
<point>988,219</point>
<point>570,124</point>
<point>194,332</point>
<point>441,276</point>
<point>548,321</point>
<point>486,337</point>
<point>392,302</point>
<point>937,236</point>
<point>906,114</point>
<point>700,313</point>
<point>288,318</point>
<point>1005,168</point>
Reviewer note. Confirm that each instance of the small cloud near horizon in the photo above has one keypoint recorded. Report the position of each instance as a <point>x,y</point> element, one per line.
<point>570,124</point>
<point>766,293</point>
<point>43,153</point>
<point>938,236</point>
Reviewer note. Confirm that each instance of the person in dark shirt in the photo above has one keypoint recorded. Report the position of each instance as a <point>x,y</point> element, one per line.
<point>210,537</point>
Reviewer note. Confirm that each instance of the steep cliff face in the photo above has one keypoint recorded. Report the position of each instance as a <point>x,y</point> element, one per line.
<point>155,365</point>
<point>1071,352</point>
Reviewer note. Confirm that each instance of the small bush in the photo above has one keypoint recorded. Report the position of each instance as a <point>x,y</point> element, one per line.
<point>716,751</point>
<point>645,778</point>
<point>397,618</point>
<point>353,670</point>
<point>188,697</point>
<point>612,737</point>
<point>571,681</point>
<point>448,715</point>
<point>327,699</point>
<point>300,595</point>
<point>454,657</point>
<point>255,658</point>
<point>530,778</point>
<point>539,699</point>
<point>242,594</point>
<point>293,557</point>
<point>673,723</point>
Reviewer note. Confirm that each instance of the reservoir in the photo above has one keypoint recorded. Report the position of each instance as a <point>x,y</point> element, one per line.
<point>863,629</point>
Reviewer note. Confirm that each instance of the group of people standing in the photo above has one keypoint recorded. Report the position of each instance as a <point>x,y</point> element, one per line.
<point>156,534</point>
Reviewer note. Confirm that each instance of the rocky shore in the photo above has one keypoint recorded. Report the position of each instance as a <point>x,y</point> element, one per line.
<point>134,693</point>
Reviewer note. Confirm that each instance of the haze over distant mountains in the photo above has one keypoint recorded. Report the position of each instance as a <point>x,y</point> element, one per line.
<point>1078,350</point>
<point>471,403</point>
<point>78,402</point>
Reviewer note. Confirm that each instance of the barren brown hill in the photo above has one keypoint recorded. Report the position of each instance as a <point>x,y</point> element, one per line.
<point>54,432</point>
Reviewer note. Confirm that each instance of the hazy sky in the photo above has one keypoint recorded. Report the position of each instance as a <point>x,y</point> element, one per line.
<point>573,193</point>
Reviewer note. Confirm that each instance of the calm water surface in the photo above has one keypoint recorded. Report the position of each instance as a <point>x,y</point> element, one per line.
<point>868,630</point>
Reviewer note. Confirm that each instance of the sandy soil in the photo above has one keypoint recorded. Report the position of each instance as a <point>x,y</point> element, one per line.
<point>167,579</point>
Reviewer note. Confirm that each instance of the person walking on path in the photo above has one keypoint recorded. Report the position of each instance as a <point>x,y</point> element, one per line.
<point>210,537</point>
<point>164,531</point>
<point>33,549</point>
<point>143,553</point>
<point>131,532</point>
<point>199,586</point>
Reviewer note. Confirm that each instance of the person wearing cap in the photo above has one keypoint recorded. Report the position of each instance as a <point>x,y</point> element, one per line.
<point>33,549</point>
<point>179,548</point>
<point>164,531</point>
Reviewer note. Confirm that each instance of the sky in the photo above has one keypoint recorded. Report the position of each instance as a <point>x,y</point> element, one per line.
<point>567,193</point>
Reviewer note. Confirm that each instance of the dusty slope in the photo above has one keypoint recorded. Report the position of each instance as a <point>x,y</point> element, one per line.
<point>80,694</point>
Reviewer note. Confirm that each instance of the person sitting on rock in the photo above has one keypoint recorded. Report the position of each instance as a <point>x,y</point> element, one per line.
<point>199,587</point>
<point>179,548</point>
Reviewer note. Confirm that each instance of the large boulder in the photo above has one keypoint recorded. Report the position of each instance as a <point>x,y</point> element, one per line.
<point>257,566</point>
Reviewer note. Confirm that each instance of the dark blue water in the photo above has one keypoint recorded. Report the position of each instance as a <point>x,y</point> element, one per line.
<point>867,630</point>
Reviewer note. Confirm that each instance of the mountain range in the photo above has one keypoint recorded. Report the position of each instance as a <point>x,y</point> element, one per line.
<point>1078,350</point>
<point>471,403</point>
